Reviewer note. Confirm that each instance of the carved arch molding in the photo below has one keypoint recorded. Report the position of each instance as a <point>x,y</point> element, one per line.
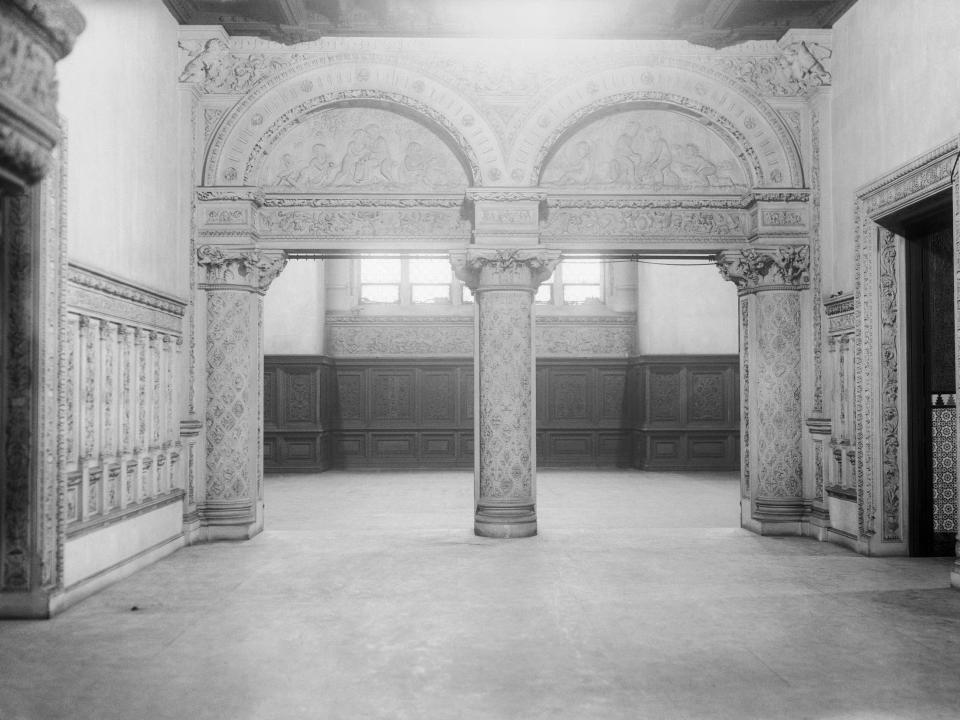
<point>240,136</point>
<point>879,353</point>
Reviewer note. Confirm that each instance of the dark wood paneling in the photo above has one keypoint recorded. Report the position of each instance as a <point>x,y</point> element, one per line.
<point>688,412</point>
<point>299,403</point>
<point>652,412</point>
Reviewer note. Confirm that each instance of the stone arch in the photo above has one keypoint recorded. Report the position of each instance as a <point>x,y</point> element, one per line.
<point>744,120</point>
<point>265,113</point>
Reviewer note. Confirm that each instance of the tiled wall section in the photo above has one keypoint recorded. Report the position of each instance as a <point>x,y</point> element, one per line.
<point>123,447</point>
<point>666,412</point>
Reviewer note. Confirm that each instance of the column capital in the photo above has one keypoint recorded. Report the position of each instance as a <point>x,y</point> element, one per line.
<point>249,269</point>
<point>786,267</point>
<point>489,268</point>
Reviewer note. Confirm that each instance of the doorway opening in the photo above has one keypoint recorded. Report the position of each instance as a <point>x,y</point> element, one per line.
<point>931,396</point>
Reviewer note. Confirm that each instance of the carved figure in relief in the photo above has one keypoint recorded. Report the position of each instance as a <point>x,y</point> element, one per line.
<point>209,64</point>
<point>804,64</point>
<point>362,147</point>
<point>649,150</point>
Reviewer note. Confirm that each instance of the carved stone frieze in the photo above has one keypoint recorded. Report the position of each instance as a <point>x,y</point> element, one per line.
<point>754,269</point>
<point>254,269</point>
<point>839,312</point>
<point>643,224</point>
<point>363,222</point>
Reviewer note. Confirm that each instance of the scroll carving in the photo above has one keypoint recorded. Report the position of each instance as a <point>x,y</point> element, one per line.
<point>528,267</point>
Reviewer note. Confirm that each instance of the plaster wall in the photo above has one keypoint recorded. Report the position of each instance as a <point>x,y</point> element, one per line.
<point>685,309</point>
<point>895,96</point>
<point>293,310</point>
<point>119,98</point>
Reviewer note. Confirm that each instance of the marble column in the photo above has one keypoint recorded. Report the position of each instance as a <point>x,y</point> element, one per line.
<point>504,282</point>
<point>770,283</point>
<point>234,285</point>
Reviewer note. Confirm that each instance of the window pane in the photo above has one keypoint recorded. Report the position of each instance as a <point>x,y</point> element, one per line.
<point>380,270</point>
<point>576,294</point>
<point>582,272</point>
<point>430,293</point>
<point>544,293</point>
<point>430,271</point>
<point>379,293</point>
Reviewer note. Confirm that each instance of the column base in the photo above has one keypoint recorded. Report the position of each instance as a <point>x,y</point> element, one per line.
<point>229,521</point>
<point>512,521</point>
<point>774,515</point>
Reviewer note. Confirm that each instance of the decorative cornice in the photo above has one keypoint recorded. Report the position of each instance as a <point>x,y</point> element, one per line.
<point>85,281</point>
<point>489,269</point>
<point>506,194</point>
<point>364,201</point>
<point>706,202</point>
<point>838,305</point>
<point>231,194</point>
<point>754,269</point>
<point>254,269</point>
<point>911,182</point>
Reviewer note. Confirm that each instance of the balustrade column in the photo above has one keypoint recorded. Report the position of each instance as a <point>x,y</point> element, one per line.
<point>236,280</point>
<point>770,281</point>
<point>504,283</point>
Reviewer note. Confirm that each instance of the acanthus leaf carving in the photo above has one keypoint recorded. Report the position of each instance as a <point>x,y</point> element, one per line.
<point>254,268</point>
<point>529,267</point>
<point>753,269</point>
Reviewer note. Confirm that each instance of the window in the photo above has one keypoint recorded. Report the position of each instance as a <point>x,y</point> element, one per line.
<point>574,282</point>
<point>410,280</point>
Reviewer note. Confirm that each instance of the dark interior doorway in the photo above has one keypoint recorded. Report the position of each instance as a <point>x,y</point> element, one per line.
<point>932,382</point>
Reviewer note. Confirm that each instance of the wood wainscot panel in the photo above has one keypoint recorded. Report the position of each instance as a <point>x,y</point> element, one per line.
<point>686,411</point>
<point>299,405</point>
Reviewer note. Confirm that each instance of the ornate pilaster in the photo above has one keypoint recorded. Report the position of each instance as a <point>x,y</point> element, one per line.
<point>235,281</point>
<point>504,283</point>
<point>770,281</point>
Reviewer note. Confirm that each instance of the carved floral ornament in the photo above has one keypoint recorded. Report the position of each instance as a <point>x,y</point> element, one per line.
<point>253,268</point>
<point>522,267</point>
<point>753,269</point>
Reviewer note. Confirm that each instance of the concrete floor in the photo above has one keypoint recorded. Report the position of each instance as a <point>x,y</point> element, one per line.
<point>369,597</point>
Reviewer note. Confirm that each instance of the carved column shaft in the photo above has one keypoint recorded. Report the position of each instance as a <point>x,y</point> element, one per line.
<point>770,281</point>
<point>504,283</point>
<point>232,506</point>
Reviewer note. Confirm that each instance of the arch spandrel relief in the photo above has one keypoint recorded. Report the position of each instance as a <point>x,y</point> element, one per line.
<point>645,151</point>
<point>360,149</point>
<point>236,149</point>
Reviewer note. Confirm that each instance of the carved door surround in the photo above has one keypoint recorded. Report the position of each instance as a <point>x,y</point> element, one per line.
<point>880,373</point>
<point>33,38</point>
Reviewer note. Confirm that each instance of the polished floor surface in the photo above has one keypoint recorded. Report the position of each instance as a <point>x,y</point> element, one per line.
<point>369,597</point>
